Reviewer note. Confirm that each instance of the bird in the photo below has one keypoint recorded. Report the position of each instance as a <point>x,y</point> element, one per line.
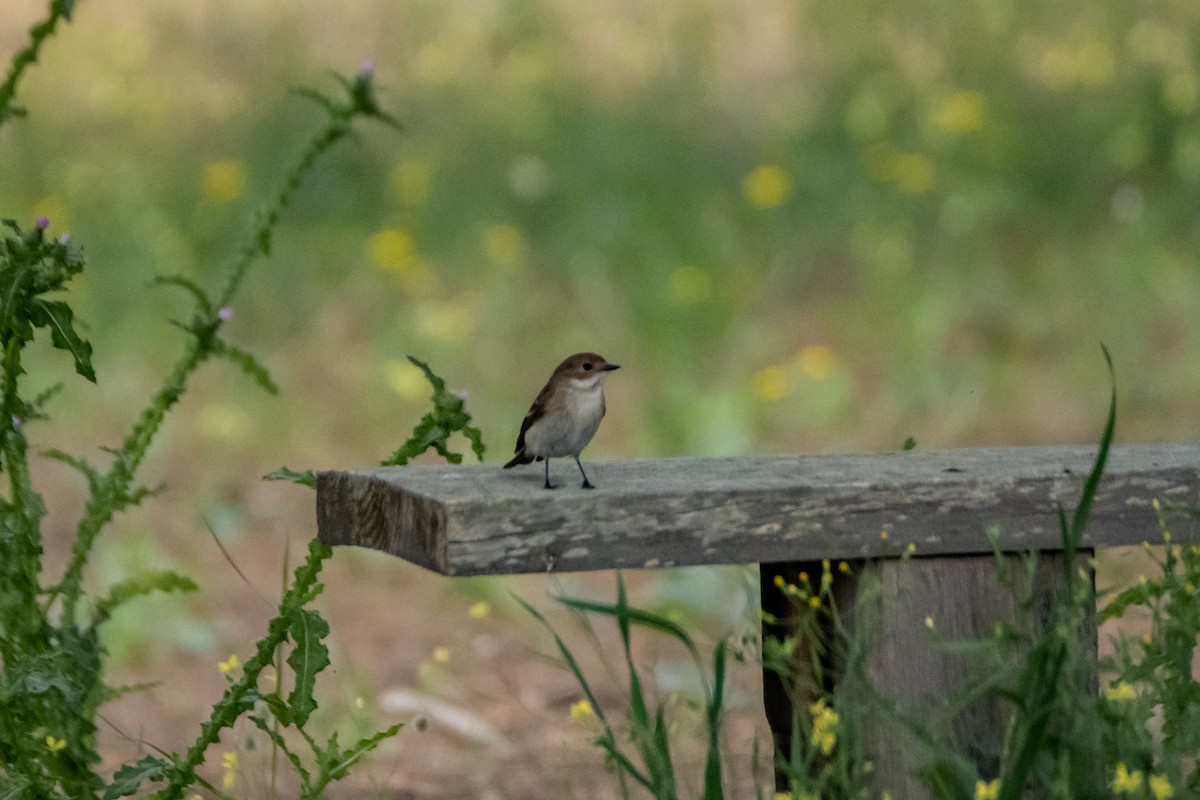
<point>565,415</point>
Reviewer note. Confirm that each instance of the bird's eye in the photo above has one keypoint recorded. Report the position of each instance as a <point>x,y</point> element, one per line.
<point>587,365</point>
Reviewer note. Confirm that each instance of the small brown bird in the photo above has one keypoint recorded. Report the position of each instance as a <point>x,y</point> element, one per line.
<point>565,415</point>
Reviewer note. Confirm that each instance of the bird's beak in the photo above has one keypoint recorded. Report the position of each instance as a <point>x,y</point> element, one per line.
<point>611,367</point>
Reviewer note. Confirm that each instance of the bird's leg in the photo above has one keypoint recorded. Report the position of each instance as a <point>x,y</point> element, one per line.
<point>586,483</point>
<point>548,484</point>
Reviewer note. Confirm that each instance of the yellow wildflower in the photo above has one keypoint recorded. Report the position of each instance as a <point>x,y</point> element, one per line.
<point>814,601</point>
<point>961,112</point>
<point>987,790</point>
<point>1126,782</point>
<point>779,581</point>
<point>843,567</point>
<point>479,610</point>
<point>55,745</point>
<point>229,765</point>
<point>816,362</point>
<point>582,710</point>
<point>883,536</point>
<point>912,548</point>
<point>223,181</point>
<point>770,383</point>
<point>441,654</point>
<point>1160,787</point>
<point>767,186</point>
<point>229,665</point>
<point>929,622</point>
<point>824,726</point>
<point>1120,691</point>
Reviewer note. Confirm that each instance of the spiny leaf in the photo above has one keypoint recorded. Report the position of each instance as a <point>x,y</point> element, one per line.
<point>303,477</point>
<point>309,657</point>
<point>248,364</point>
<point>89,472</point>
<point>277,738</point>
<point>449,416</point>
<point>351,755</point>
<point>111,693</point>
<point>58,316</point>
<point>129,778</point>
<point>123,592</point>
<point>191,287</point>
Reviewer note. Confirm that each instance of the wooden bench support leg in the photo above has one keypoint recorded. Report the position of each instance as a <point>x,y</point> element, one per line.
<point>963,597</point>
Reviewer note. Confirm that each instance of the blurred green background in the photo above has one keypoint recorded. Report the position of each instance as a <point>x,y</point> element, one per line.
<point>799,226</point>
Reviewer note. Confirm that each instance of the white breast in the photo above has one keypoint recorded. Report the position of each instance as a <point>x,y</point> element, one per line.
<point>567,431</point>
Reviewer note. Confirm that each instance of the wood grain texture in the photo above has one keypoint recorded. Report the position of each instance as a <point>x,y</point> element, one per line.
<point>918,670</point>
<point>469,520</point>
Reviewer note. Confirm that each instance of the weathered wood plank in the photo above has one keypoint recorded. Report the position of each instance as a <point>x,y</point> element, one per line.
<point>466,520</point>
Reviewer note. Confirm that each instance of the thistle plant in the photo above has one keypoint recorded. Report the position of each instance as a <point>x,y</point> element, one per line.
<point>51,652</point>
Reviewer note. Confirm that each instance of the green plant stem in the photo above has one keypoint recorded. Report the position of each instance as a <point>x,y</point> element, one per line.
<point>240,696</point>
<point>260,241</point>
<point>59,10</point>
<point>113,489</point>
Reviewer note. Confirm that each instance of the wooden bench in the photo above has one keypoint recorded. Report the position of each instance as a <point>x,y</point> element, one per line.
<point>787,514</point>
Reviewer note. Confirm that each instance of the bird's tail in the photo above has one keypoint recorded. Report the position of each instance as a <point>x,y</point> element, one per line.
<point>519,458</point>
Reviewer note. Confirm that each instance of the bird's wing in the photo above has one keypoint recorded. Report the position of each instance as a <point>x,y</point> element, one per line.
<point>536,412</point>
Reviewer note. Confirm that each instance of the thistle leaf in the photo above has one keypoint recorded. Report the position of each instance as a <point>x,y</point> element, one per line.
<point>303,477</point>
<point>58,317</point>
<point>309,657</point>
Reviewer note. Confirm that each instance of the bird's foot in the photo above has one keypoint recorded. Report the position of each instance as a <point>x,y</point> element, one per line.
<point>549,485</point>
<point>588,485</point>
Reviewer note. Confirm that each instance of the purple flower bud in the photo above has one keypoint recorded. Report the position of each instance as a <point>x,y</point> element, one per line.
<point>463,394</point>
<point>16,421</point>
<point>64,239</point>
<point>43,222</point>
<point>225,313</point>
<point>368,66</point>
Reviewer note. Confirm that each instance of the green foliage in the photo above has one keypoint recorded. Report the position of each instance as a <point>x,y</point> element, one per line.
<point>651,764</point>
<point>51,655</point>
<point>59,10</point>
<point>1155,686</point>
<point>449,415</point>
<point>303,477</point>
<point>308,657</point>
<point>143,584</point>
<point>34,266</point>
